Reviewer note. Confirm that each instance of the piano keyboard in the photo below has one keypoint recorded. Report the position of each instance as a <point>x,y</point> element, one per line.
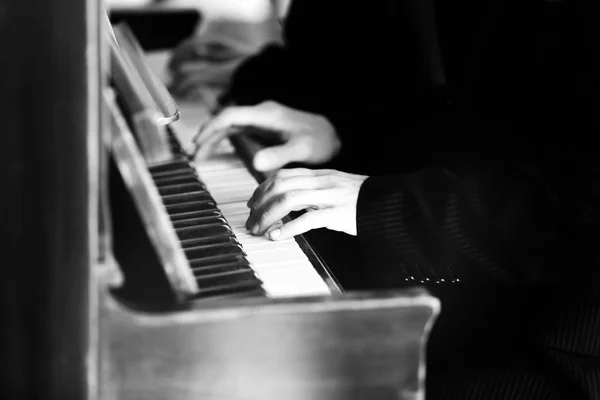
<point>206,202</point>
<point>282,266</point>
<point>216,259</point>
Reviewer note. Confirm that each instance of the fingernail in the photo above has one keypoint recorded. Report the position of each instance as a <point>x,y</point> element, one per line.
<point>275,233</point>
<point>254,229</point>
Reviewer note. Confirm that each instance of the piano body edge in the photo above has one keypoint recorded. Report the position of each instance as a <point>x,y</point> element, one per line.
<point>347,346</point>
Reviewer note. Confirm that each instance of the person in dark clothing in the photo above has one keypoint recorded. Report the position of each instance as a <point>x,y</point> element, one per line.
<point>465,133</point>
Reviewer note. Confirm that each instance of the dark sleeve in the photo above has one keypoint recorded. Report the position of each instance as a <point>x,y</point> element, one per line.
<point>258,78</point>
<point>293,73</point>
<point>326,63</point>
<point>517,205</point>
<point>506,222</point>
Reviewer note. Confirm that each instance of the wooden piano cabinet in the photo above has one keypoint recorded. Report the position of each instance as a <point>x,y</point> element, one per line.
<point>352,346</point>
<point>49,102</point>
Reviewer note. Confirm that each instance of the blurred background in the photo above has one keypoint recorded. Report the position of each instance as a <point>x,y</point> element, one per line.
<point>206,39</point>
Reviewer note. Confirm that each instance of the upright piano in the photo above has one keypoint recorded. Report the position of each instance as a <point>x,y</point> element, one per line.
<point>136,277</point>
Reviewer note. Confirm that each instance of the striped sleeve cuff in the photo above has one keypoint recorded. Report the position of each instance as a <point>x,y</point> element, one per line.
<point>386,230</point>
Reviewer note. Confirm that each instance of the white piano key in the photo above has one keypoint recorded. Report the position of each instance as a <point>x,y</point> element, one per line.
<point>217,165</point>
<point>233,196</point>
<point>215,173</point>
<point>234,209</point>
<point>224,190</point>
<point>262,246</point>
<point>276,260</point>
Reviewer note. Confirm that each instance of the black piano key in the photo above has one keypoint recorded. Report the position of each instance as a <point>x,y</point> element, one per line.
<point>220,239</point>
<point>220,268</point>
<point>234,294</point>
<point>180,169</point>
<point>182,177</point>
<point>176,217</point>
<point>175,188</point>
<point>199,232</point>
<point>245,283</point>
<point>187,177</point>
<point>217,259</point>
<point>183,198</point>
<point>220,279</point>
<point>191,206</point>
<point>170,166</point>
<point>175,169</point>
<point>184,223</point>
<point>209,251</point>
<point>188,170</point>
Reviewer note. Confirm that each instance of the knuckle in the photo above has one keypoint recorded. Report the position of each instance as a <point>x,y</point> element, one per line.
<point>305,171</point>
<point>329,175</point>
<point>280,174</point>
<point>261,217</point>
<point>228,114</point>
<point>286,198</point>
<point>260,189</point>
<point>286,173</point>
<point>225,113</point>
<point>267,103</point>
<point>328,181</point>
<point>273,108</point>
<point>259,193</point>
<point>277,184</point>
<point>269,106</point>
<point>255,196</point>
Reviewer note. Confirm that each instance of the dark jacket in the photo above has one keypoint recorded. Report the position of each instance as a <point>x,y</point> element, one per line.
<point>477,121</point>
